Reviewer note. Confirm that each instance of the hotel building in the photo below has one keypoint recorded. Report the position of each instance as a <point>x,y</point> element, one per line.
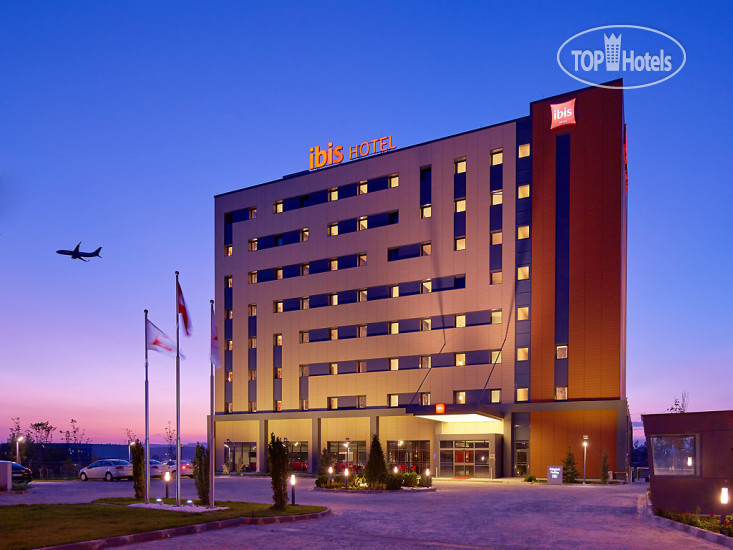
<point>464,299</point>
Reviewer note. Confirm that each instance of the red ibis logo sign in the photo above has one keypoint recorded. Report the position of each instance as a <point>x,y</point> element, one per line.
<point>563,114</point>
<point>440,408</point>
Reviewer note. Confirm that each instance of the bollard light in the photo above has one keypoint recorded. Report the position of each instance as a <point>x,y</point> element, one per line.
<point>330,477</point>
<point>724,495</point>
<point>292,489</point>
<point>158,500</point>
<point>585,454</point>
<point>167,479</point>
<point>395,469</point>
<point>189,502</point>
<point>427,472</point>
<point>346,474</point>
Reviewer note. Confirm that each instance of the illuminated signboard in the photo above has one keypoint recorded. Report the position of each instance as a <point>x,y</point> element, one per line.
<point>440,408</point>
<point>333,155</point>
<point>563,114</point>
<point>554,475</point>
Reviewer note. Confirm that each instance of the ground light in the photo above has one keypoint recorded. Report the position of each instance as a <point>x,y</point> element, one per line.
<point>395,469</point>
<point>724,495</point>
<point>346,474</point>
<point>167,479</point>
<point>585,454</point>
<point>428,481</point>
<point>17,448</point>
<point>330,476</point>
<point>292,489</point>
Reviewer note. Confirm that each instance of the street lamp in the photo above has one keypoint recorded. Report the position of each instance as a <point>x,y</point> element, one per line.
<point>17,448</point>
<point>292,488</point>
<point>347,451</point>
<point>129,450</point>
<point>585,453</point>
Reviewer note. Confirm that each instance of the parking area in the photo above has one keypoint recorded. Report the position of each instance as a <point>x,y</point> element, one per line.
<point>461,514</point>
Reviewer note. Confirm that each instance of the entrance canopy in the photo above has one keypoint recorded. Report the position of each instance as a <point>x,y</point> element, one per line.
<point>442,412</point>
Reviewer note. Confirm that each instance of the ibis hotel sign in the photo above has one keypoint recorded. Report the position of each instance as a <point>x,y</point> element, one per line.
<point>333,155</point>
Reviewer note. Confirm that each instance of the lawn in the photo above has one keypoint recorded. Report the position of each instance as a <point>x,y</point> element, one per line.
<point>35,525</point>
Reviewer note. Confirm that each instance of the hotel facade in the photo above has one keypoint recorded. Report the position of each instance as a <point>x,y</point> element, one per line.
<point>464,299</point>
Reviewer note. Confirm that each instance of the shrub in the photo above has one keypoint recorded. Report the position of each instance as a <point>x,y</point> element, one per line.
<point>604,466</point>
<point>322,481</point>
<point>138,468</point>
<point>530,478</point>
<point>393,482</point>
<point>277,460</point>
<point>324,463</point>
<point>201,473</point>
<point>20,485</point>
<point>376,468</point>
<point>410,479</point>
<point>569,471</point>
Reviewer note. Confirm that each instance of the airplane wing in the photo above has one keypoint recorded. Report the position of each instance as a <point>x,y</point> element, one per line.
<point>76,250</point>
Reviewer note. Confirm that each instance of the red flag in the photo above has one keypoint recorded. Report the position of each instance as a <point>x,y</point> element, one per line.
<point>183,310</point>
<point>215,358</point>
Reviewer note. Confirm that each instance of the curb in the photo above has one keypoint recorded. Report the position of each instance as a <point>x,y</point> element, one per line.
<point>186,530</point>
<point>645,511</point>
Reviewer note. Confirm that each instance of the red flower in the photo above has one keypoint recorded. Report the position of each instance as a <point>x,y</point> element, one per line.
<point>712,515</point>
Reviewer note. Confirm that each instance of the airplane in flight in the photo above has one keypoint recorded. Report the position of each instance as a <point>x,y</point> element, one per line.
<point>76,255</point>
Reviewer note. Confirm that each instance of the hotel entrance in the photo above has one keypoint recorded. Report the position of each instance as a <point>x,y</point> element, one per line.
<point>470,458</point>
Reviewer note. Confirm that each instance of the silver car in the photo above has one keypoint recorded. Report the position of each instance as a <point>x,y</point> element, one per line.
<point>107,469</point>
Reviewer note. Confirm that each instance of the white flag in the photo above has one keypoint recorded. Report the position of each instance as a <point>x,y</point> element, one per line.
<point>215,357</point>
<point>158,341</point>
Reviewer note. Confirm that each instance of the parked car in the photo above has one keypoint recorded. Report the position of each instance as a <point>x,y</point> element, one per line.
<point>186,468</point>
<point>21,473</point>
<point>107,469</point>
<point>158,468</point>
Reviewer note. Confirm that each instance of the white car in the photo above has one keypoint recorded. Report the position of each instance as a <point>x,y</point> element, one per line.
<point>157,468</point>
<point>107,469</point>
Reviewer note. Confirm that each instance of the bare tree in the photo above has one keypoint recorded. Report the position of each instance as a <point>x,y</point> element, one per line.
<point>680,405</point>
<point>170,438</point>
<point>41,432</point>
<point>15,431</point>
<point>131,436</point>
<point>75,438</point>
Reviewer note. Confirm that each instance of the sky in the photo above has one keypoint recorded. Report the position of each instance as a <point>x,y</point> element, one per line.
<point>120,121</point>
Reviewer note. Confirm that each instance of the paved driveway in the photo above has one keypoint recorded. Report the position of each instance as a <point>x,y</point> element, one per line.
<point>461,514</point>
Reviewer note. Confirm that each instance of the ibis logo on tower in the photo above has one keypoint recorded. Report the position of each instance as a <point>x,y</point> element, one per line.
<point>563,114</point>
<point>640,55</point>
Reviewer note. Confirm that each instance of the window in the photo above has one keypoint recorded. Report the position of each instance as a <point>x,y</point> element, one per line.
<point>278,272</point>
<point>304,234</point>
<point>426,287</point>
<point>228,250</point>
<point>333,194</point>
<point>361,331</point>
<point>228,313</point>
<point>361,259</point>
<point>303,371</point>
<point>277,207</point>
<point>496,237</point>
<point>333,299</point>
<point>252,310</point>
<point>522,354</point>
<point>305,269</point>
<point>393,400</point>
<point>228,345</point>
<point>459,243</point>
<point>363,188</point>
<point>426,249</point>
<point>523,150</point>
<point>394,363</point>
<point>495,356</point>
<point>303,404</point>
<point>333,264</point>
<point>277,373</point>
<point>333,334</point>
<point>333,368</point>
<point>361,295</point>
<point>361,401</point>
<point>252,374</point>
<point>459,281</point>
<point>252,406</point>
<point>459,397</point>
<point>497,157</point>
<point>252,277</point>
<point>333,403</point>
<point>426,211</point>
<point>361,366</point>
<point>305,302</point>
<point>460,359</point>
<point>497,197</point>
<point>277,339</point>
<point>460,205</point>
<point>522,313</point>
<point>277,306</point>
<point>459,321</point>
<point>252,213</point>
<point>394,327</point>
<point>425,324</point>
<point>495,396</point>
<point>228,281</point>
<point>522,394</point>
<point>425,361</point>
<point>461,166</point>
<point>496,277</point>
<point>394,180</point>
<point>252,342</point>
<point>523,273</point>
<point>674,455</point>
<point>362,223</point>
<point>495,316</point>
<point>277,240</point>
<point>394,291</point>
<point>561,393</point>
<point>523,232</point>
<point>333,229</point>
<point>393,218</point>
<point>425,398</point>
<point>561,352</point>
<point>304,337</point>
<point>229,407</point>
<point>523,191</point>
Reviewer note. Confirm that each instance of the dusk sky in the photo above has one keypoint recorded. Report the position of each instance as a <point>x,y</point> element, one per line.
<point>120,121</point>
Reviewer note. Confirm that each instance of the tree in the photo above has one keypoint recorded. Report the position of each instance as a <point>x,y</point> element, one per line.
<point>75,438</point>
<point>569,471</point>
<point>201,473</point>
<point>138,468</point>
<point>41,432</point>
<point>376,467</point>
<point>170,438</point>
<point>604,466</point>
<point>639,456</point>
<point>277,459</point>
<point>325,463</point>
<point>679,405</point>
<point>131,436</point>
<point>15,431</point>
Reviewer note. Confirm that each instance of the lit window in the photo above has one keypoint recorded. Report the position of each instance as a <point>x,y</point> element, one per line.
<point>495,357</point>
<point>252,310</point>
<point>228,250</point>
<point>277,207</point>
<point>425,399</point>
<point>361,366</point>
<point>523,273</point>
<point>460,243</point>
<point>304,234</point>
<point>394,180</point>
<point>394,363</point>
<point>333,334</point>
<point>495,316</point>
<point>561,393</point>
<point>363,188</point>
<point>425,361</point>
<point>252,342</point>
<point>459,397</point>
<point>496,277</point>
<point>497,197</point>
<point>252,374</point>
<point>252,277</point>
<point>426,287</point>
<point>305,302</point>
<point>497,157</point>
<point>278,306</point>
<point>461,166</point>
<point>361,401</point>
<point>394,291</point>
<point>523,232</point>
<point>303,404</point>
<point>460,321</point>
<point>523,150</point>
<point>304,337</point>
<point>362,223</point>
<point>333,368</point>
<point>460,359</point>
<point>496,237</point>
<point>361,331</point>
<point>561,352</point>
<point>228,281</point>
<point>333,299</point>
<point>228,345</point>
<point>361,259</point>
<point>522,394</point>
<point>523,191</point>
<point>278,272</point>
<point>229,407</point>
<point>305,269</point>
<point>522,354</point>
<point>522,313</point>
<point>393,400</point>
<point>252,213</point>
<point>426,211</point>
<point>278,373</point>
<point>228,313</point>
<point>333,403</point>
<point>460,205</point>
<point>496,396</point>
<point>333,229</point>
<point>361,295</point>
<point>333,264</point>
<point>230,376</point>
<point>333,194</point>
<point>425,324</point>
<point>277,340</point>
<point>303,371</point>
<point>394,327</point>
<point>426,249</point>
<point>252,406</point>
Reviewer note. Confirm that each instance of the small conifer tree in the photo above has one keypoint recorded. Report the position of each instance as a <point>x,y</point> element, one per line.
<point>604,466</point>
<point>569,471</point>
<point>138,469</point>
<point>376,467</point>
<point>277,459</point>
<point>201,473</point>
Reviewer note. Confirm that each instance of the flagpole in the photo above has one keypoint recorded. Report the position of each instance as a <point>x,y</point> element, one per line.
<point>147,418</point>
<point>212,436</point>
<point>178,404</point>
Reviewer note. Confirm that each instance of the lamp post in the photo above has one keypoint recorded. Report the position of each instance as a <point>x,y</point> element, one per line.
<point>585,453</point>
<point>167,479</point>
<point>129,450</point>
<point>292,489</point>
<point>330,477</point>
<point>17,448</point>
<point>347,451</point>
<point>346,476</point>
